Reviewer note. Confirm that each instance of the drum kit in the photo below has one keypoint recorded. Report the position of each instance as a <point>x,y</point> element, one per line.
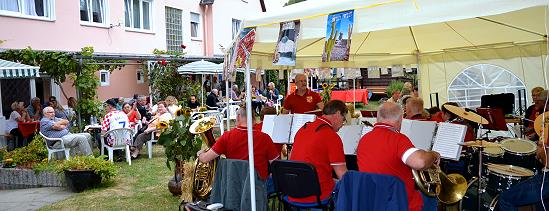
<point>495,166</point>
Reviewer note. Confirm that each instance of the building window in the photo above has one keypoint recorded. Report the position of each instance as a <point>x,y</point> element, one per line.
<point>104,77</point>
<point>93,11</point>
<point>236,27</point>
<point>140,79</point>
<point>195,25</point>
<point>174,30</point>
<point>138,14</point>
<point>482,79</point>
<point>28,8</point>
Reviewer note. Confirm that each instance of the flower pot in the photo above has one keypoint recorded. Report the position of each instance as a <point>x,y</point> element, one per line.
<point>80,180</point>
<point>174,185</point>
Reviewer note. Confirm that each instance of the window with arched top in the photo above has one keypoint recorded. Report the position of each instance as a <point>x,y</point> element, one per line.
<point>482,79</point>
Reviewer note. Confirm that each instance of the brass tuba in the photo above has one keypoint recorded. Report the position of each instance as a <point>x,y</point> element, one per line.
<point>433,182</point>
<point>204,173</point>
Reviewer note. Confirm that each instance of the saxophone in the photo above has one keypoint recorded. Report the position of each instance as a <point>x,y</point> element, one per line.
<point>204,173</point>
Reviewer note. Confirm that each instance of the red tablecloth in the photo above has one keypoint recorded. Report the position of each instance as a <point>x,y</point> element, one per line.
<point>347,95</point>
<point>28,128</point>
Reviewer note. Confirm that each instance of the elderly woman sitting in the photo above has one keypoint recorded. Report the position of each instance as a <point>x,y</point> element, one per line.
<point>19,114</point>
<point>161,115</point>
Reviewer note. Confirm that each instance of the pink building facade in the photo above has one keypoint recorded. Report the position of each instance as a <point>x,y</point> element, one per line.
<point>128,27</point>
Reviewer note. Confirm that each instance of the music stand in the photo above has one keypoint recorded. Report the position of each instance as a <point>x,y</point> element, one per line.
<point>495,117</point>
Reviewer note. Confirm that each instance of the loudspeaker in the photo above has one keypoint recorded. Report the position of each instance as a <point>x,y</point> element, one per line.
<point>505,101</point>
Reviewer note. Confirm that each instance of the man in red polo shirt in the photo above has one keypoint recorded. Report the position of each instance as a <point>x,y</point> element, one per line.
<point>386,151</point>
<point>318,143</point>
<point>303,99</point>
<point>234,145</point>
<point>414,109</point>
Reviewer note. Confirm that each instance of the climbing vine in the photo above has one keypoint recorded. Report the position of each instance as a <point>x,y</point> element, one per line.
<point>60,65</point>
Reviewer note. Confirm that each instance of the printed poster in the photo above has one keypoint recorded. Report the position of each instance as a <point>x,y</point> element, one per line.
<point>246,40</point>
<point>338,36</point>
<point>285,51</point>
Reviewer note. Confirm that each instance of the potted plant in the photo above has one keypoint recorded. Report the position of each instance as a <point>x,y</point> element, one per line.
<point>179,145</point>
<point>83,172</point>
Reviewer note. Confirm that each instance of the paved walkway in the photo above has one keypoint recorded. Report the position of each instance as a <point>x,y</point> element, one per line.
<point>32,198</point>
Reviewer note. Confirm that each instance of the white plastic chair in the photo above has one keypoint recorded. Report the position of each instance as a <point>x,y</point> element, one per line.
<point>150,144</point>
<point>120,135</point>
<point>277,105</point>
<point>53,150</point>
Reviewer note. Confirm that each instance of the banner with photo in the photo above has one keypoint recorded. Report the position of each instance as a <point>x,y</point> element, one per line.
<point>246,40</point>
<point>285,50</point>
<point>339,29</point>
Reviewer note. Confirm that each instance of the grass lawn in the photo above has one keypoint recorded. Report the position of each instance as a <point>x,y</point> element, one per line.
<point>141,186</point>
<point>372,106</point>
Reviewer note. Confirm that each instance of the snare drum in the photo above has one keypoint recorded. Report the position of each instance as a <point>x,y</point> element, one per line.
<point>519,152</point>
<point>501,177</point>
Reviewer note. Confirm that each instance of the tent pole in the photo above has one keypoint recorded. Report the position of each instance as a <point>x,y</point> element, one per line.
<point>249,125</point>
<point>202,90</point>
<point>227,101</point>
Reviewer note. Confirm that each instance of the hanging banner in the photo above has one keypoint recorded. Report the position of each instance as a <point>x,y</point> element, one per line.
<point>338,36</point>
<point>397,71</point>
<point>246,40</point>
<point>373,72</point>
<point>285,51</point>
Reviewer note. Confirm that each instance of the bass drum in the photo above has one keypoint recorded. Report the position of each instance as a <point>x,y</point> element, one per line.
<point>488,201</point>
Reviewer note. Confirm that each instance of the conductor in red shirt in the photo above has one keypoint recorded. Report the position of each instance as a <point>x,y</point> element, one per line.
<point>317,143</point>
<point>303,99</point>
<point>234,145</point>
<point>385,150</point>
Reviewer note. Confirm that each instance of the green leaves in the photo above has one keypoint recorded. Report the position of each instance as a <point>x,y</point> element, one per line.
<point>179,143</point>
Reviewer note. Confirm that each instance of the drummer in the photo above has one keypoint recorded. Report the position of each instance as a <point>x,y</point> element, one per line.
<point>533,111</point>
<point>528,191</point>
<point>448,116</point>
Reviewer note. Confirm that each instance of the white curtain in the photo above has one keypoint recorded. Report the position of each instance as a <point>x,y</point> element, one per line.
<point>97,12</point>
<point>30,8</point>
<point>9,5</point>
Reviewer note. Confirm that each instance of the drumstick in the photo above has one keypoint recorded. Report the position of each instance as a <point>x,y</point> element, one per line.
<point>502,167</point>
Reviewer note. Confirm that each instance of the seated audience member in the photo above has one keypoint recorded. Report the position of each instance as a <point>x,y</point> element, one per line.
<point>59,110</point>
<point>19,114</point>
<point>114,119</point>
<point>53,127</point>
<point>171,102</point>
<point>211,101</point>
<point>161,115</point>
<point>35,109</point>
<point>47,103</point>
<point>395,97</point>
<point>234,94</point>
<point>385,150</point>
<point>143,108</point>
<point>131,111</point>
<point>234,145</point>
<point>193,103</point>
<point>271,93</point>
<point>319,144</point>
<point>71,111</point>
<point>414,109</point>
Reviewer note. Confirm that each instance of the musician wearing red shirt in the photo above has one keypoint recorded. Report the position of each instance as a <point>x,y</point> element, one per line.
<point>317,143</point>
<point>303,99</point>
<point>234,145</point>
<point>533,111</point>
<point>385,150</point>
<point>414,109</point>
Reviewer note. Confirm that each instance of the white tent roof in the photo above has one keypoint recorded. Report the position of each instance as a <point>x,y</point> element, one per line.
<point>201,68</point>
<point>397,32</point>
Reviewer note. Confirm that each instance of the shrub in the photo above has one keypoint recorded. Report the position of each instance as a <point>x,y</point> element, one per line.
<point>393,86</point>
<point>99,165</point>
<point>29,155</point>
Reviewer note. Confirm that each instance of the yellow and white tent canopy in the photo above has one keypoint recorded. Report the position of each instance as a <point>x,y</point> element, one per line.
<point>10,69</point>
<point>397,32</point>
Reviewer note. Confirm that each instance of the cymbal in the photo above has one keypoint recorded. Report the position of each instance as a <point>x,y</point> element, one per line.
<point>539,122</point>
<point>481,144</point>
<point>473,117</point>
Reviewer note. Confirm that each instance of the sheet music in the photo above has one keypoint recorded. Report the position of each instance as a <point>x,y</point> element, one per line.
<point>281,124</point>
<point>350,136</point>
<point>448,139</point>
<point>419,132</point>
<point>298,121</point>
